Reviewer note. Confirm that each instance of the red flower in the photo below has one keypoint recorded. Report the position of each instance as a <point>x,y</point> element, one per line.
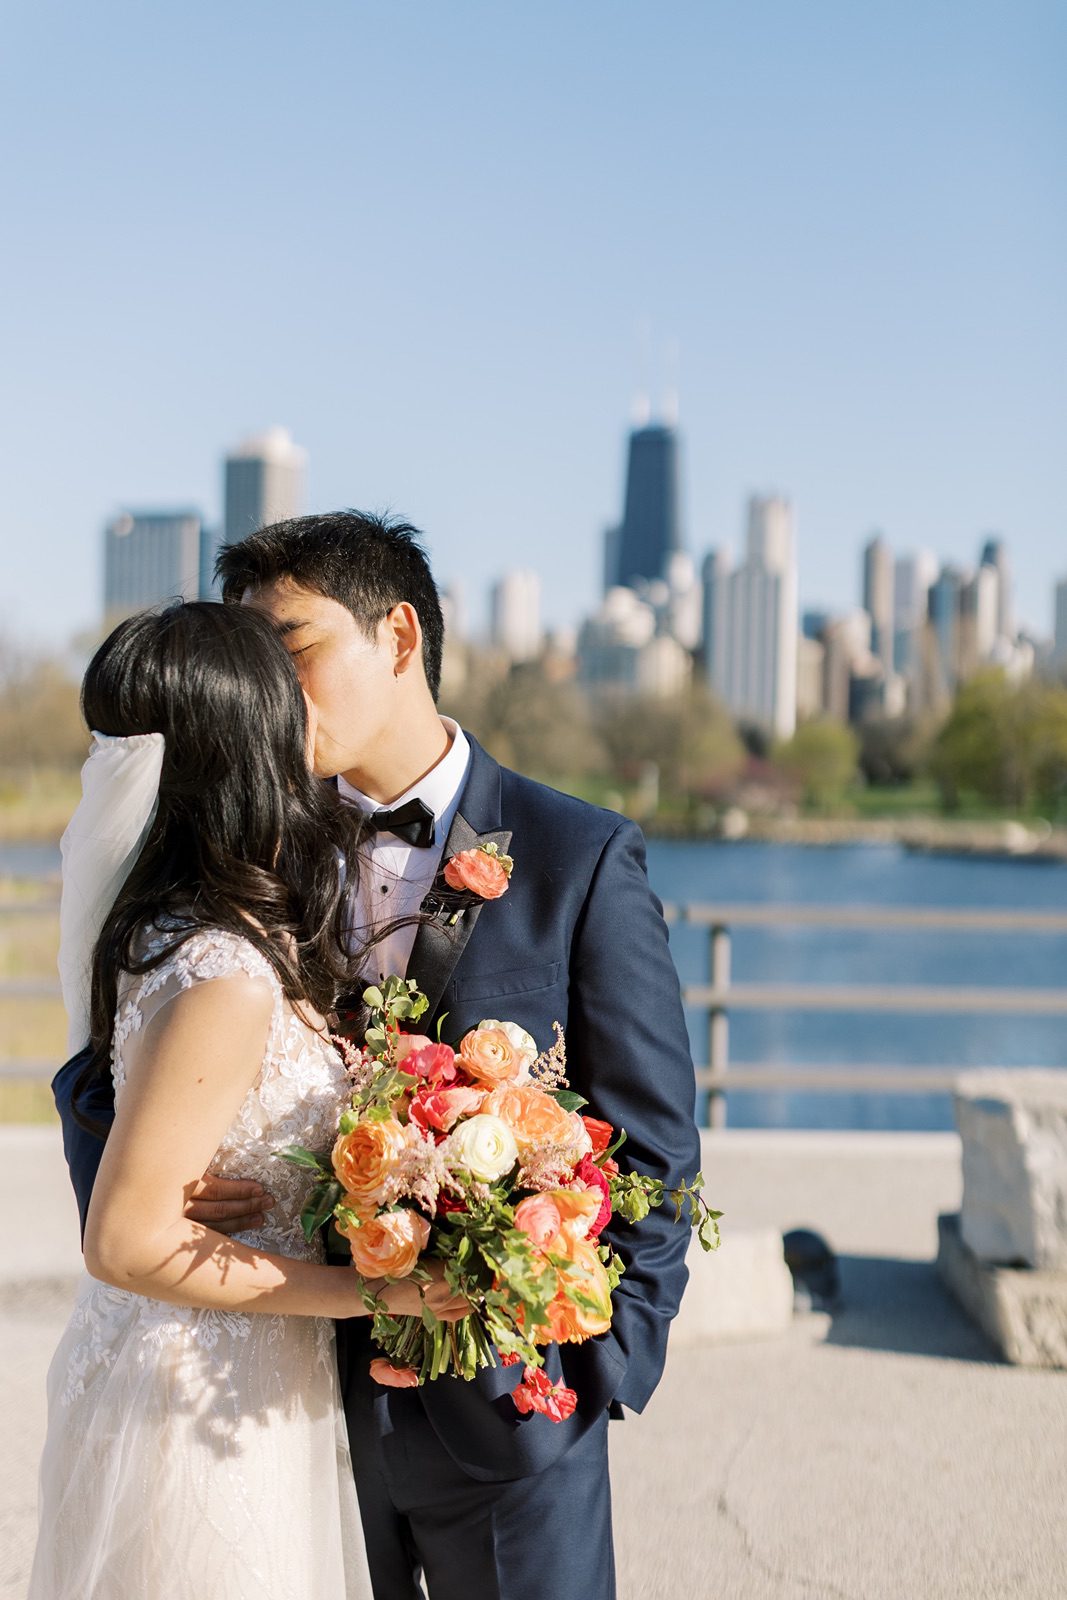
<point>446,1203</point>
<point>601,1133</point>
<point>538,1393</point>
<point>610,1167</point>
<point>510,1359</point>
<point>589,1174</point>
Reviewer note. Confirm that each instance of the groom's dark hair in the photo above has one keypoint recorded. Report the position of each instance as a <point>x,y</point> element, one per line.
<point>367,563</point>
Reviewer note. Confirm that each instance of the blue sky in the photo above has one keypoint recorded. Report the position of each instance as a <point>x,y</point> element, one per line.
<point>426,236</point>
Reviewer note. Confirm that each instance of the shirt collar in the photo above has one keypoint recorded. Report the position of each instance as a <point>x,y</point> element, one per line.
<point>440,789</point>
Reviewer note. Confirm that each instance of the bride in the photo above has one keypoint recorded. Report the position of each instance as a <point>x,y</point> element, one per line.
<point>196,1446</point>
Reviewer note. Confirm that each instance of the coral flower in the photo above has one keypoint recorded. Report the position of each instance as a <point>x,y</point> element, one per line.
<point>391,1377</point>
<point>479,871</point>
<point>538,1393</point>
<point>601,1133</point>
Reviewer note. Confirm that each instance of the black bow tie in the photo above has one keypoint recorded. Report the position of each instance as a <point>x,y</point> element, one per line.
<point>412,822</point>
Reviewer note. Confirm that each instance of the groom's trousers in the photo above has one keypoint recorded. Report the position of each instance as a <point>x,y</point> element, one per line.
<point>543,1537</point>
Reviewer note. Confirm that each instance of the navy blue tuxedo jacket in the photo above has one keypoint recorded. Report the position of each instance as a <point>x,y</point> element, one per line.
<point>578,938</point>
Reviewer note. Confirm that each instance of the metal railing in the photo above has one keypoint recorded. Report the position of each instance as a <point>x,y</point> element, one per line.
<point>720,995</point>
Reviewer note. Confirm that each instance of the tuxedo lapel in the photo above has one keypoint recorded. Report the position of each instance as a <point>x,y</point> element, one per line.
<point>440,941</point>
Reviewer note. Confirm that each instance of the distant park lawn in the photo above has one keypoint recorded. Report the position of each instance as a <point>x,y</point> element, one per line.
<point>34,1028</point>
<point>36,806</point>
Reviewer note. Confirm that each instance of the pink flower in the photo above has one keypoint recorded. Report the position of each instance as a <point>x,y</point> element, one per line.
<point>538,1393</point>
<point>538,1218</point>
<point>391,1377</point>
<point>589,1176</point>
<point>438,1110</point>
<point>405,1043</point>
<point>435,1062</point>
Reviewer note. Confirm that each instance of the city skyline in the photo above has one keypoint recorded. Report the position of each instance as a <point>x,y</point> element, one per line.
<point>866,301</point>
<point>263,479</point>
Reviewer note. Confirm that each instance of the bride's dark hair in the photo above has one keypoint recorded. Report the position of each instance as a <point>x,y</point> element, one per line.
<point>245,837</point>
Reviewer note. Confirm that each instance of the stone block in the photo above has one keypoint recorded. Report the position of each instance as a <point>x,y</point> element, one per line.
<point>742,1290</point>
<point>1013,1126</point>
<point>1022,1311</point>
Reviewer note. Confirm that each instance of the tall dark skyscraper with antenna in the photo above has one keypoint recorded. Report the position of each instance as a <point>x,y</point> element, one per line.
<point>651,528</point>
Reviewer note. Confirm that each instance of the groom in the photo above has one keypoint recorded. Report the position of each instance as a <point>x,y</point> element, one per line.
<point>452,1481</point>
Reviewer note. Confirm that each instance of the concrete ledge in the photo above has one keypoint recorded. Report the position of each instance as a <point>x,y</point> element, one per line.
<point>1023,1311</point>
<point>742,1290</point>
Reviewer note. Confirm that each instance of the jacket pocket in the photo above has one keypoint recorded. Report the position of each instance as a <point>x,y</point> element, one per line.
<point>516,980</point>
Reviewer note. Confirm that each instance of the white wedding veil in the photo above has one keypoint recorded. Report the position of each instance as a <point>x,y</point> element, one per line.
<point>120,794</point>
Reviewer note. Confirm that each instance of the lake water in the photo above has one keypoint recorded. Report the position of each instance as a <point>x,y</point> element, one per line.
<point>868,875</point>
<point>847,875</point>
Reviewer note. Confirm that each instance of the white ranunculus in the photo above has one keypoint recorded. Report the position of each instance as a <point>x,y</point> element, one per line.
<point>484,1146</point>
<point>520,1041</point>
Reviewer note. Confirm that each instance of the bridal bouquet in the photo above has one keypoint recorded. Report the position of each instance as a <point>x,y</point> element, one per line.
<point>480,1158</point>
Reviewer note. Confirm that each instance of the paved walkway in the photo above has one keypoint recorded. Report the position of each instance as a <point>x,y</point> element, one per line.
<point>883,1455</point>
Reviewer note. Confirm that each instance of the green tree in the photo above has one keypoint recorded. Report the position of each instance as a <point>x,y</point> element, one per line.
<point>40,719</point>
<point>531,721</point>
<point>821,757</point>
<point>689,739</point>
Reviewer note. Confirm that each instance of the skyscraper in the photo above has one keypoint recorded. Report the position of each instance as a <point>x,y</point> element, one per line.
<point>995,555</point>
<point>750,644</point>
<point>150,557</point>
<point>1059,645</point>
<point>263,481</point>
<point>651,528</point>
<point>878,598</point>
<point>515,615</point>
<point>912,578</point>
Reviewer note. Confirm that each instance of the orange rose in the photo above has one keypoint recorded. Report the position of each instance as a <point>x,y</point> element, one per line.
<point>489,1057</point>
<point>480,871</point>
<point>391,1377</point>
<point>531,1114</point>
<point>569,1323</point>
<point>388,1246</point>
<point>362,1158</point>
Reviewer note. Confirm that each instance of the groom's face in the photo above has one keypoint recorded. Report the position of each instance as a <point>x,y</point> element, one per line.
<point>348,676</point>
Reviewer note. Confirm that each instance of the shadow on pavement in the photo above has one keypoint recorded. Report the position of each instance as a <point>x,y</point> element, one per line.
<point>903,1307</point>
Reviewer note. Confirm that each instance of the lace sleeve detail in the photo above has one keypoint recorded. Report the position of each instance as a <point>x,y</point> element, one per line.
<point>208,954</point>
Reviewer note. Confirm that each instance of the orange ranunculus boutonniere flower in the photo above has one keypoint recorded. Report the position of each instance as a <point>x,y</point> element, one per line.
<point>483,872</point>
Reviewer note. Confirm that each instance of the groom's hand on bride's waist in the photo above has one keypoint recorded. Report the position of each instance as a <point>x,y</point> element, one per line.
<point>229,1205</point>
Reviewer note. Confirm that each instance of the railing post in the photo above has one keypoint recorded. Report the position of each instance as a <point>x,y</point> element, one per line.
<point>718,1021</point>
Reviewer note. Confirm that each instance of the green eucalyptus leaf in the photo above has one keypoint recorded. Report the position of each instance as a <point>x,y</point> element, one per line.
<point>297,1156</point>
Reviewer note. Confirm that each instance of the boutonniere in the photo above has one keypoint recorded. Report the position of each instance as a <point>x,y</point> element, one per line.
<point>468,878</point>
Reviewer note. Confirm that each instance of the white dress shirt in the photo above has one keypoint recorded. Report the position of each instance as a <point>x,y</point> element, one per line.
<point>394,876</point>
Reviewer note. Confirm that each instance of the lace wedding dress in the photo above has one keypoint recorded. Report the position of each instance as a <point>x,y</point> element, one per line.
<point>196,1454</point>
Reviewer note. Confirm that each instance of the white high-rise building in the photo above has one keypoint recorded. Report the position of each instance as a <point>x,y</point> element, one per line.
<point>1059,634</point>
<point>150,557</point>
<point>912,580</point>
<point>995,559</point>
<point>750,622</point>
<point>515,615</point>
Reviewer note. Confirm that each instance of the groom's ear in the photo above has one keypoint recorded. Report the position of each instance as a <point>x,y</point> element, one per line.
<point>402,633</point>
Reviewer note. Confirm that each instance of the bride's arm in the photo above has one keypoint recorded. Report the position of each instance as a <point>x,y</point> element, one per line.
<point>195,1064</point>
